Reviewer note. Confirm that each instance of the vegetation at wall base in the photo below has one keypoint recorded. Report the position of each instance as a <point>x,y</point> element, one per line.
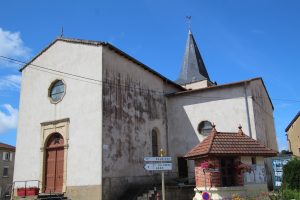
<point>290,188</point>
<point>291,175</point>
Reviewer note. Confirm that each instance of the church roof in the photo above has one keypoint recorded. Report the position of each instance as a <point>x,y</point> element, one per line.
<point>110,46</point>
<point>229,144</point>
<point>193,68</point>
<point>6,146</point>
<point>186,92</point>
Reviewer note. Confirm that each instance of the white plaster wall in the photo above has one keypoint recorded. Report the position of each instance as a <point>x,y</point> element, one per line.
<point>225,107</point>
<point>248,160</point>
<point>82,104</point>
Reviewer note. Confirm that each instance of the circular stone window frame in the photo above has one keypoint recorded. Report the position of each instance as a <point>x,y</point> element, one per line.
<point>199,130</point>
<point>50,89</point>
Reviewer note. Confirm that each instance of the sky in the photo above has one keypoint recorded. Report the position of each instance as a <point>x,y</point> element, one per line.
<point>238,40</point>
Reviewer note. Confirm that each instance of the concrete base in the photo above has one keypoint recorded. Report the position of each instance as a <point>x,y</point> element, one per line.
<point>24,198</point>
<point>218,193</point>
<point>91,192</point>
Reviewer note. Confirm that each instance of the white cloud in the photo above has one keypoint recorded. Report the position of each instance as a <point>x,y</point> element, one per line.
<point>8,119</point>
<point>10,82</point>
<point>12,45</point>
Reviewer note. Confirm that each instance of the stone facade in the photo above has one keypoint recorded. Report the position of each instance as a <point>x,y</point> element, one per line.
<point>7,159</point>
<point>132,109</point>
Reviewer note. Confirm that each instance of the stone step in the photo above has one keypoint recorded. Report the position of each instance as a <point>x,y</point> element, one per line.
<point>59,196</point>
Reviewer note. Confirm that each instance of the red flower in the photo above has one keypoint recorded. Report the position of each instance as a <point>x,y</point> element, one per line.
<point>241,167</point>
<point>207,164</point>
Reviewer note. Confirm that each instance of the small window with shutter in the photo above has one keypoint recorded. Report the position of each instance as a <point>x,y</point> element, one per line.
<point>6,156</point>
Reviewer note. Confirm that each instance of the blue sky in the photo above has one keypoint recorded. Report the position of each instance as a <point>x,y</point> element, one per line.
<point>237,39</point>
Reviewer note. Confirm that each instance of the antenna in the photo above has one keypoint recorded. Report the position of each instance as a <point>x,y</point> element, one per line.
<point>189,21</point>
<point>62,32</point>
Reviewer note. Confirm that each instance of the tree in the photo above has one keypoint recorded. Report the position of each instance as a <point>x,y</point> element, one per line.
<point>291,175</point>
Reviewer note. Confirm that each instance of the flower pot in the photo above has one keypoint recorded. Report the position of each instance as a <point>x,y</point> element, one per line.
<point>32,191</point>
<point>21,192</point>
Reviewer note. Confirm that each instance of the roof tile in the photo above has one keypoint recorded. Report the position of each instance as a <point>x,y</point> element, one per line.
<point>221,144</point>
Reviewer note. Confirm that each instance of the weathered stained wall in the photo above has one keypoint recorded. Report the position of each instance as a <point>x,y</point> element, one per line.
<point>133,105</point>
<point>263,115</point>
<point>82,104</point>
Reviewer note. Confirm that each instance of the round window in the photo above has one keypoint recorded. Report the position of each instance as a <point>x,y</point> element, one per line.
<point>57,91</point>
<point>204,128</point>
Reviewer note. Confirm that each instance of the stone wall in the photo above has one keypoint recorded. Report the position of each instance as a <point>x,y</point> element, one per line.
<point>133,106</point>
<point>6,181</point>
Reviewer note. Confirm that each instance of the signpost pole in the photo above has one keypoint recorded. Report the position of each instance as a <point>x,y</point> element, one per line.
<point>162,152</point>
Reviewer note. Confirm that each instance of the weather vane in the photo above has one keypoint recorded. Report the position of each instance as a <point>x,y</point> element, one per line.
<point>189,21</point>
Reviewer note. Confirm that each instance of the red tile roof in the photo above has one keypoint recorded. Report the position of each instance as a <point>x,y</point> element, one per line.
<point>228,144</point>
<point>6,146</point>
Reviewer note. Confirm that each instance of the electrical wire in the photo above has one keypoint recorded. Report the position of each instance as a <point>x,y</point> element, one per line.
<point>111,82</point>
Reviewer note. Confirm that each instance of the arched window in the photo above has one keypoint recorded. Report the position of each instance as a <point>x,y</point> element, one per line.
<point>154,143</point>
<point>204,127</point>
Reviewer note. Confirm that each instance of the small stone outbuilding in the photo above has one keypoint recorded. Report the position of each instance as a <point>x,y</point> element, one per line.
<point>229,164</point>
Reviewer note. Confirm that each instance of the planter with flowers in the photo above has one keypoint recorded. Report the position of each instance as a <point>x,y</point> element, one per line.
<point>206,165</point>
<point>242,168</point>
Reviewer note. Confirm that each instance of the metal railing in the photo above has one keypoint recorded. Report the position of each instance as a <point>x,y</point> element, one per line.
<point>25,186</point>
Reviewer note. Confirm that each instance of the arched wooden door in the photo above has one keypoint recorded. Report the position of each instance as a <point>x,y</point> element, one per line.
<point>54,169</point>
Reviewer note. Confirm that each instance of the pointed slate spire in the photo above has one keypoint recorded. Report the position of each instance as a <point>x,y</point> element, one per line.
<point>193,68</point>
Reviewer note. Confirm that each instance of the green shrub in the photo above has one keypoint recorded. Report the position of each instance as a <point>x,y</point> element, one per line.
<point>291,175</point>
<point>288,194</point>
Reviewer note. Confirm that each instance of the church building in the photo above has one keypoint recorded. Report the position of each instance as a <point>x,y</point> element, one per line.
<point>89,113</point>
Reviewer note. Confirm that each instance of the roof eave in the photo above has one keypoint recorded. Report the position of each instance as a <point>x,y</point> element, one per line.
<point>292,122</point>
<point>99,43</point>
<point>195,157</point>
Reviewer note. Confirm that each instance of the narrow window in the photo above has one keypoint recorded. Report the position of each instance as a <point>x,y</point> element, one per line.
<point>182,167</point>
<point>253,159</point>
<point>154,143</point>
<point>5,171</point>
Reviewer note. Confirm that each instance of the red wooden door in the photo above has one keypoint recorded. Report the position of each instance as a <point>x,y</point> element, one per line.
<point>54,164</point>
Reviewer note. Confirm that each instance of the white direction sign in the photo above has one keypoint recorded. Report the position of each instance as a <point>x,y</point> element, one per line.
<point>157,159</point>
<point>158,166</point>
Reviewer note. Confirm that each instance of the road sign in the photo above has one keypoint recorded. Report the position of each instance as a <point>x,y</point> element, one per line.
<point>158,166</point>
<point>157,159</point>
<point>205,196</point>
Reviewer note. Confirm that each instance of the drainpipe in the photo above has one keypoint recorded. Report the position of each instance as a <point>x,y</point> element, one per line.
<point>166,118</point>
<point>247,109</point>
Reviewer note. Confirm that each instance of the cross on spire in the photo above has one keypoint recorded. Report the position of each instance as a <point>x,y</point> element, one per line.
<point>189,21</point>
